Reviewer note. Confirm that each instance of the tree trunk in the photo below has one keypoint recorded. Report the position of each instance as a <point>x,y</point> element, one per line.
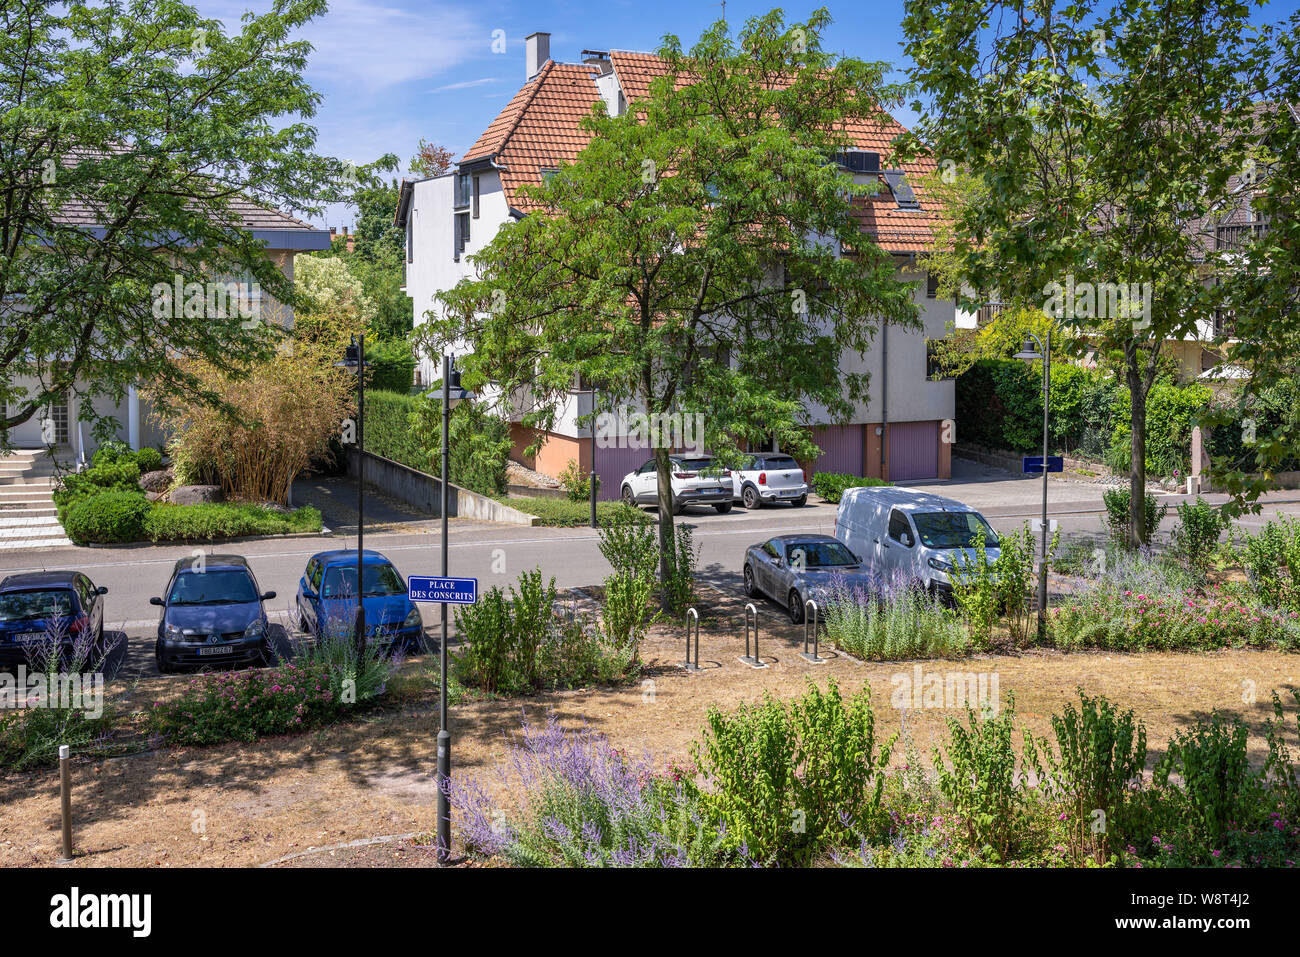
<point>663,469</point>
<point>1137,532</point>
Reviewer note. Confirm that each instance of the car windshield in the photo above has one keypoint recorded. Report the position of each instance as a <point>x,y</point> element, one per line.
<point>213,587</point>
<point>953,529</point>
<point>36,604</point>
<point>784,462</point>
<point>819,554</point>
<point>380,580</point>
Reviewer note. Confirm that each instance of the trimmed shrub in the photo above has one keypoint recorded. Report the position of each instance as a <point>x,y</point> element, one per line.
<point>389,432</point>
<point>108,517</point>
<point>392,366</point>
<point>831,485</point>
<point>1172,411</point>
<point>207,522</point>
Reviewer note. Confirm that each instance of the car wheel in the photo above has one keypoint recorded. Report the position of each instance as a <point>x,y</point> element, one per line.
<point>723,507</point>
<point>751,590</point>
<point>679,508</point>
<point>628,498</point>
<point>750,497</point>
<point>302,623</point>
<point>163,667</point>
<point>796,607</point>
<point>801,501</point>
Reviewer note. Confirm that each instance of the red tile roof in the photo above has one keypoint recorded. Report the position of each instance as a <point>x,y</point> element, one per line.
<point>540,129</point>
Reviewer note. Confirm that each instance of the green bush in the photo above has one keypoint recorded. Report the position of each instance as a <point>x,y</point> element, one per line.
<point>247,705</point>
<point>108,517</point>
<point>629,544</point>
<point>1100,753</point>
<point>999,403</point>
<point>981,782</point>
<point>149,460</point>
<point>788,783</point>
<point>392,366</point>
<point>1197,534</point>
<point>1172,411</point>
<point>577,483</point>
<point>1272,561</point>
<point>831,485</point>
<point>1117,502</point>
<point>985,590</point>
<point>518,643</point>
<point>388,430</point>
<point>679,588</point>
<point>210,521</point>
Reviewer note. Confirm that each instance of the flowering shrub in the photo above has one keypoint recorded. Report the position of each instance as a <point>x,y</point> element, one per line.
<point>586,804</point>
<point>247,705</point>
<point>1186,620</point>
<point>893,622</point>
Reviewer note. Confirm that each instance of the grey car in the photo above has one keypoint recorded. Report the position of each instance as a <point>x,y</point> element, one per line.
<point>792,569</point>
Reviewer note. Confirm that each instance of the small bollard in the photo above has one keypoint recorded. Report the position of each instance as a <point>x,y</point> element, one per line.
<point>692,614</point>
<point>65,792</point>
<point>815,658</point>
<point>754,661</point>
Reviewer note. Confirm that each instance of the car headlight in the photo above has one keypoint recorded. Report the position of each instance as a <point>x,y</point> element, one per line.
<point>254,630</point>
<point>413,620</point>
<point>171,631</point>
<point>940,565</point>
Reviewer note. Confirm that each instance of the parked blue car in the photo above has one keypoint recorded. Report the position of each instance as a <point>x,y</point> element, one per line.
<point>38,606</point>
<point>212,615</point>
<point>327,598</point>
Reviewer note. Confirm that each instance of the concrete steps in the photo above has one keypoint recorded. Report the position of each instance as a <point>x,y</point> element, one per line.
<point>28,516</point>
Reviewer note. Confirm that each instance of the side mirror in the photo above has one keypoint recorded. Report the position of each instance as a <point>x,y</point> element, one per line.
<point>101,590</point>
<point>778,563</point>
<point>308,593</point>
<point>906,540</point>
<point>156,601</point>
<point>267,595</point>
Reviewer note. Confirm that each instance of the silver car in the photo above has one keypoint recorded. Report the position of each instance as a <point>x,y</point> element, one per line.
<point>792,569</point>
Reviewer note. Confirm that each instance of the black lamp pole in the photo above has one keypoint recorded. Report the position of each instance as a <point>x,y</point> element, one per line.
<point>1035,348</point>
<point>360,636</point>
<point>444,734</point>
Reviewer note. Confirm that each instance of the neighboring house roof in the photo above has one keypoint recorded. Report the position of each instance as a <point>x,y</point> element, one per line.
<point>540,129</point>
<point>277,229</point>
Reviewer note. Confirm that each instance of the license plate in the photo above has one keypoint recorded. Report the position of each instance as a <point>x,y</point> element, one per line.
<point>792,493</point>
<point>28,637</point>
<point>216,649</point>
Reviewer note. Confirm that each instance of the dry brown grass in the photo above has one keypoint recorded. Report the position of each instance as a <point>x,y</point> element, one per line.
<point>371,777</point>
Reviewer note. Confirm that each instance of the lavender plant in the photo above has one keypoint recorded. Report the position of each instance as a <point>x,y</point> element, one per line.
<point>891,620</point>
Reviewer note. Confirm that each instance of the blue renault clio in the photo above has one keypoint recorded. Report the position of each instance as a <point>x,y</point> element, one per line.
<point>327,599</point>
<point>212,615</point>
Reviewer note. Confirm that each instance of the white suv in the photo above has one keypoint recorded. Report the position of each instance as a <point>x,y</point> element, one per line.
<point>769,477</point>
<point>694,482</point>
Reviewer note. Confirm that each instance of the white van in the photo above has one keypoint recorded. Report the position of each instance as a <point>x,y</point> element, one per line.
<point>900,533</point>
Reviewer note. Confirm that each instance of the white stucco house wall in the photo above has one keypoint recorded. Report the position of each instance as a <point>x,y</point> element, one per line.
<point>903,432</point>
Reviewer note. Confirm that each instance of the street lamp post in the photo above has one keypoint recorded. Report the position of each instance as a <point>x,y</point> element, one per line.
<point>355,357</point>
<point>1034,349</point>
<point>450,395</point>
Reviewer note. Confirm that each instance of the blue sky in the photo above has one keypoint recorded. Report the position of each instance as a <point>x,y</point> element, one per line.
<point>393,71</point>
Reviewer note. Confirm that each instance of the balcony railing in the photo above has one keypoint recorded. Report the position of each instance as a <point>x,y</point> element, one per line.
<point>1235,236</point>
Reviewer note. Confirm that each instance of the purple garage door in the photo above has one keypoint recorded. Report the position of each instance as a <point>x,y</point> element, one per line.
<point>614,463</point>
<point>913,451</point>
<point>841,447</point>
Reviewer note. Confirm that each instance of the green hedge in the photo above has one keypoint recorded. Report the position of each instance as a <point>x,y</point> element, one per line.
<point>108,517</point>
<point>408,429</point>
<point>206,522</point>
<point>831,485</point>
<point>999,403</point>
<point>392,366</point>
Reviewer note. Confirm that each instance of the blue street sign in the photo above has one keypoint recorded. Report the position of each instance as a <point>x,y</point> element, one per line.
<point>1034,464</point>
<point>453,591</point>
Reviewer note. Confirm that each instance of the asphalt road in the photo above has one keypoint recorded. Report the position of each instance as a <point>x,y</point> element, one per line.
<point>496,554</point>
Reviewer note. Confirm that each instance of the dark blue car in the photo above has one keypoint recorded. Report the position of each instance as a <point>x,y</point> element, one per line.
<point>327,599</point>
<point>212,615</point>
<point>38,606</point>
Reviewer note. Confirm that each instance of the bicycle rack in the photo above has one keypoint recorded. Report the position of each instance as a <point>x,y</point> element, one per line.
<point>692,615</point>
<point>814,658</point>
<point>754,661</point>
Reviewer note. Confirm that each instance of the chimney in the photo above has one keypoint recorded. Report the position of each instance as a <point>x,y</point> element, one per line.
<point>538,46</point>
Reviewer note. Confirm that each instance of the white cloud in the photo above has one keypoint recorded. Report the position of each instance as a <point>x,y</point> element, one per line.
<point>465,84</point>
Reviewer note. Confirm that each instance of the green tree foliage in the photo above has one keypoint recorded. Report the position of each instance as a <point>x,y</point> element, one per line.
<point>690,259</point>
<point>154,119</point>
<point>1092,128</point>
